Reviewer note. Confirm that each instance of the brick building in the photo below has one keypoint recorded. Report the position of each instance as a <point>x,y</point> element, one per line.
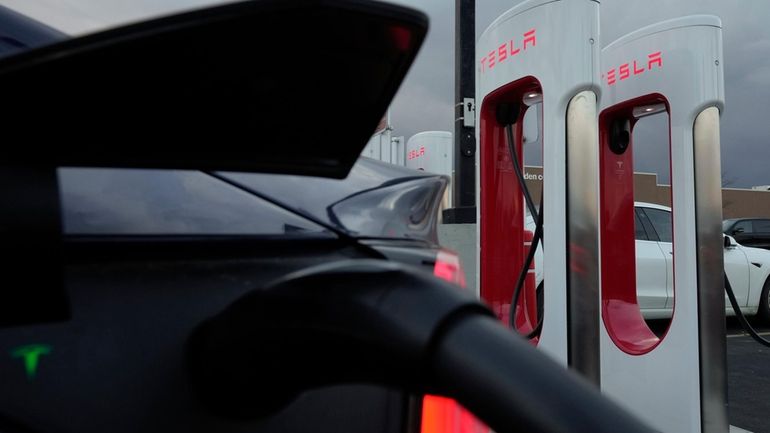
<point>736,202</point>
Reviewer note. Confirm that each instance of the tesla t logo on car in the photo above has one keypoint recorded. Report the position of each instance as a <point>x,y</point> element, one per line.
<point>634,68</point>
<point>508,50</point>
<point>31,356</point>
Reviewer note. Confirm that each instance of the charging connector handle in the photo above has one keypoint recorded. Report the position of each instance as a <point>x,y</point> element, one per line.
<point>507,383</point>
<point>372,321</point>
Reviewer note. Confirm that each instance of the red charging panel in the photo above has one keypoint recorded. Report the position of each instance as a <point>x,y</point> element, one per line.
<point>620,309</point>
<point>502,205</point>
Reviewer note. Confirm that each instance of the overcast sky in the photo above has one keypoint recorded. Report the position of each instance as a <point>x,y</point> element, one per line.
<point>425,100</point>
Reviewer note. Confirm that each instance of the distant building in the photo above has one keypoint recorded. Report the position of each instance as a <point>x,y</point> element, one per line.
<point>736,202</point>
<point>383,146</point>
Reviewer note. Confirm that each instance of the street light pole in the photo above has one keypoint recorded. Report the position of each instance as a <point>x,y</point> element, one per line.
<point>464,181</point>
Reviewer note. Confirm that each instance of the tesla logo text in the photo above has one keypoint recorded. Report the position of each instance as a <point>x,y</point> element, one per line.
<point>416,153</point>
<point>619,172</point>
<point>634,68</point>
<point>507,50</point>
<point>31,356</point>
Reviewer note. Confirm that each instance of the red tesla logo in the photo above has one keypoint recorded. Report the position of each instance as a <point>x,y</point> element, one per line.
<point>508,50</point>
<point>416,153</point>
<point>627,70</point>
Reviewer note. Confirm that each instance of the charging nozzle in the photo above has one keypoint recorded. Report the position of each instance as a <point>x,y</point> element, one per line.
<point>507,113</point>
<point>371,321</point>
<point>620,135</point>
<point>345,322</point>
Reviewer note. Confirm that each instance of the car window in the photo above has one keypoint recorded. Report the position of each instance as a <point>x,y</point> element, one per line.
<point>726,224</point>
<point>762,226</point>
<point>167,202</point>
<point>746,226</point>
<point>661,222</point>
<point>652,235</point>
<point>639,233</point>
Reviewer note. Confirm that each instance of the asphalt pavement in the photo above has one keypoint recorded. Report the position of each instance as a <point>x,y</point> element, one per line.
<point>748,378</point>
<point>748,375</point>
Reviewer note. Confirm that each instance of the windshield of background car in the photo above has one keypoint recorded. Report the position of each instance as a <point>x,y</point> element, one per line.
<point>726,225</point>
<point>376,200</point>
<point>745,226</point>
<point>169,202</point>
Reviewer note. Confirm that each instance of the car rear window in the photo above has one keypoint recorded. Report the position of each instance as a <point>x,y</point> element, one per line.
<point>168,202</point>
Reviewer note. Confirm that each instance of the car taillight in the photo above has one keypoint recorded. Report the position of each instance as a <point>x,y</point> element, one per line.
<point>444,415</point>
<point>441,414</point>
<point>449,268</point>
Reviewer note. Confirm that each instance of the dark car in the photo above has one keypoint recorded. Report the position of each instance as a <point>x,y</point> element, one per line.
<point>750,232</point>
<point>180,257</point>
<point>390,209</point>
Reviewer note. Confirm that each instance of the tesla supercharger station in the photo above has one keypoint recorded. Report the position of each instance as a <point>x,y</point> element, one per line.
<point>543,51</point>
<point>676,383</point>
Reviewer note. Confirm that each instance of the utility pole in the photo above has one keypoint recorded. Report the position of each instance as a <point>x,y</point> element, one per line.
<point>464,182</point>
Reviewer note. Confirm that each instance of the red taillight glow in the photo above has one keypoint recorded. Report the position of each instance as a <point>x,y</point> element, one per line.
<point>444,415</point>
<point>440,414</point>
<point>449,268</point>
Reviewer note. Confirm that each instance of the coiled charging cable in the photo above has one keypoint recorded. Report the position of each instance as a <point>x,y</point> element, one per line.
<point>537,216</point>
<point>741,318</point>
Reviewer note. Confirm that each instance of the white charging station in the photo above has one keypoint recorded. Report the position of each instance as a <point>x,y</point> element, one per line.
<point>543,51</point>
<point>676,383</point>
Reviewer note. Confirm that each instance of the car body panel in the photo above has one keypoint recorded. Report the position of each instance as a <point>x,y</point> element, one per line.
<point>668,254</point>
<point>19,33</point>
<point>199,90</point>
<point>759,273</point>
<point>118,364</point>
<point>222,76</point>
<point>739,272</point>
<point>650,275</point>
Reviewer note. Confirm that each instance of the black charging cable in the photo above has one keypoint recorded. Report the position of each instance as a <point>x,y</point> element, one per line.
<point>518,168</point>
<point>741,318</point>
<point>507,114</point>
<point>537,236</point>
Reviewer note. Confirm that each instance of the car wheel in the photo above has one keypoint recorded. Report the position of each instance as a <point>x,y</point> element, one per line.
<point>764,302</point>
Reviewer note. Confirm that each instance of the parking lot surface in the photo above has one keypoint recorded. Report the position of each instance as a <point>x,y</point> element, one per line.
<point>748,375</point>
<point>748,386</point>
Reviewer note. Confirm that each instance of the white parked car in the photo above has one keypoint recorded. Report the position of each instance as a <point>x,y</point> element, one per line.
<point>747,268</point>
